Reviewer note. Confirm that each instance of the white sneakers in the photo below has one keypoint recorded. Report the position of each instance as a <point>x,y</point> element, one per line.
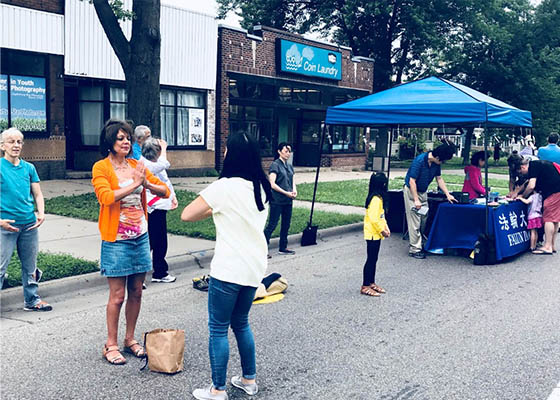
<point>166,279</point>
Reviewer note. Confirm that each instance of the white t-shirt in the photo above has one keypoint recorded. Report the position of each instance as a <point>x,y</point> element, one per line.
<point>158,168</point>
<point>240,253</point>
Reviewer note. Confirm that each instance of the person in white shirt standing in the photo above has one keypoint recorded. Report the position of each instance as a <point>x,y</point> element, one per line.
<point>236,202</point>
<point>154,157</point>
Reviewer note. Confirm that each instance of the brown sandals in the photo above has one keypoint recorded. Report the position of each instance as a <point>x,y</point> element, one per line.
<point>134,348</point>
<point>368,291</point>
<point>117,358</point>
<point>377,288</point>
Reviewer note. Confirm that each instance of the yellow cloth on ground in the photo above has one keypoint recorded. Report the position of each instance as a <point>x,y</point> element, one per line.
<point>270,299</point>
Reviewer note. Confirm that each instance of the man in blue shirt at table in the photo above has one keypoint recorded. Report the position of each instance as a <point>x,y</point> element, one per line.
<point>552,151</point>
<point>421,173</point>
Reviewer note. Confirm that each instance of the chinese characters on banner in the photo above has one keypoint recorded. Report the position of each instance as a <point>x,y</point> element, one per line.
<point>511,230</point>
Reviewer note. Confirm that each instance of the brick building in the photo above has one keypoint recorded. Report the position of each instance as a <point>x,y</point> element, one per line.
<point>60,80</point>
<point>277,86</point>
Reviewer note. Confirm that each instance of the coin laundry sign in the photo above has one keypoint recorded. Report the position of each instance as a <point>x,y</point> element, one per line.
<point>300,59</point>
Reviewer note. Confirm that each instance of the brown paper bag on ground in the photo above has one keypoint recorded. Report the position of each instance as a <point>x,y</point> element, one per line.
<point>164,349</point>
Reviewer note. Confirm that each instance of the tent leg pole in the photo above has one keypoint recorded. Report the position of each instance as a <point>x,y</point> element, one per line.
<point>486,177</point>
<point>317,174</point>
<point>390,133</point>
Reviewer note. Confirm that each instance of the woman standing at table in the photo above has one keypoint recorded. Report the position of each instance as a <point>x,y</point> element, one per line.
<point>473,176</point>
<point>120,185</point>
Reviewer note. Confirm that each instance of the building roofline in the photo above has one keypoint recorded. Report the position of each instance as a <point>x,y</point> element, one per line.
<point>297,35</point>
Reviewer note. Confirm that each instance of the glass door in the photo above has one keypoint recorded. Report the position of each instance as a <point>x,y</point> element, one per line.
<point>309,138</point>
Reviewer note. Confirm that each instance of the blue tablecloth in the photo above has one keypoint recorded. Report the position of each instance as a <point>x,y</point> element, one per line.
<point>457,226</point>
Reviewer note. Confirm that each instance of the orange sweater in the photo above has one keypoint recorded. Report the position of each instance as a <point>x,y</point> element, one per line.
<point>105,182</point>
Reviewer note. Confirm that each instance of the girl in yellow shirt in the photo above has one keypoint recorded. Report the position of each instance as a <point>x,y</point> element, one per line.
<point>375,230</point>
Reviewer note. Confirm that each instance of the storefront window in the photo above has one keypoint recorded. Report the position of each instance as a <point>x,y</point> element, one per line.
<point>298,95</point>
<point>167,115</point>
<point>91,114</point>
<point>183,117</point>
<point>253,121</point>
<point>347,139</point>
<point>234,88</point>
<point>313,96</point>
<point>118,103</point>
<point>285,94</point>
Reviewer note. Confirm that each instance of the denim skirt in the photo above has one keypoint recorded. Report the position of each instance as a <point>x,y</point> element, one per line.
<point>126,257</point>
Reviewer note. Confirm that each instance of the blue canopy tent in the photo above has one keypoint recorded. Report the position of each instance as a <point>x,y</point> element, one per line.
<point>427,102</point>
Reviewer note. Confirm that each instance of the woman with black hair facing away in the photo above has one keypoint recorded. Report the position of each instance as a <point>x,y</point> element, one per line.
<point>473,176</point>
<point>120,185</point>
<point>375,230</point>
<point>236,202</point>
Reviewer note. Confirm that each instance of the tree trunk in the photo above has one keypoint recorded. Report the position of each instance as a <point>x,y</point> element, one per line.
<point>143,72</point>
<point>139,58</point>
<point>382,70</point>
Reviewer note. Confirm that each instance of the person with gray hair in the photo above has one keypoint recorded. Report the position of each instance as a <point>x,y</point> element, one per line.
<point>154,157</point>
<point>20,193</point>
<point>141,133</point>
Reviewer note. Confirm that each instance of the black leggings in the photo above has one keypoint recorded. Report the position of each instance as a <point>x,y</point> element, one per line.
<point>371,262</point>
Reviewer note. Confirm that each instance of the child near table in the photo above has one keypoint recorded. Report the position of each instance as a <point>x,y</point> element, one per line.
<point>534,216</point>
<point>375,230</point>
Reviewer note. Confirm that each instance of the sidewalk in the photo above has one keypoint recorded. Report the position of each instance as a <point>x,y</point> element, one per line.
<point>81,238</point>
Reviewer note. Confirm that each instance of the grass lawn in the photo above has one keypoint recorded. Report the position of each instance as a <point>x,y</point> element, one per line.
<point>354,192</point>
<point>54,266</point>
<point>85,206</point>
<point>457,163</point>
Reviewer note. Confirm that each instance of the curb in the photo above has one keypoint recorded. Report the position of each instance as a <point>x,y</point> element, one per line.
<point>200,259</point>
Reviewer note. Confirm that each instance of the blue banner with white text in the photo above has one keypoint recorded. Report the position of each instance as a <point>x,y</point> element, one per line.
<point>307,60</point>
<point>510,229</point>
<point>3,102</point>
<point>28,103</point>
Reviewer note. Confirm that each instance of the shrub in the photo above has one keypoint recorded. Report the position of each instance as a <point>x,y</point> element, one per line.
<point>54,266</point>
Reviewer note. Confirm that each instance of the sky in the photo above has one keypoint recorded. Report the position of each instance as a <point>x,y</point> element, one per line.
<point>207,7</point>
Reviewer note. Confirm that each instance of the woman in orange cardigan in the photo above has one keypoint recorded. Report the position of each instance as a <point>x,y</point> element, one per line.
<point>120,186</point>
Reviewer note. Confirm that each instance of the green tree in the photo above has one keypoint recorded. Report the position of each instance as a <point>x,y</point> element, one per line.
<point>139,56</point>
<point>510,50</point>
<point>399,35</point>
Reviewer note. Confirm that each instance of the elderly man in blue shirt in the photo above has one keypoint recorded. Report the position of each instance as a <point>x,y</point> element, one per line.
<point>552,151</point>
<point>421,173</point>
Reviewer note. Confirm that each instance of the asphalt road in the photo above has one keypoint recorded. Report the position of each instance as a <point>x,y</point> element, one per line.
<point>445,330</point>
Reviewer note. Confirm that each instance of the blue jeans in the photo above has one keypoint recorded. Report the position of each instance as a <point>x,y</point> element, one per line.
<point>27,243</point>
<point>229,304</point>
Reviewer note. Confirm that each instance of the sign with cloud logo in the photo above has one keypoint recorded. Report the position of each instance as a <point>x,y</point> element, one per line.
<point>306,60</point>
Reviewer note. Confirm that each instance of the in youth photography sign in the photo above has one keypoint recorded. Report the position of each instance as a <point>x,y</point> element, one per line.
<point>3,102</point>
<point>306,60</point>
<point>28,104</point>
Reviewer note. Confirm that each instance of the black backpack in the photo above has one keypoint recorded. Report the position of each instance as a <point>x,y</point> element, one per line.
<point>485,250</point>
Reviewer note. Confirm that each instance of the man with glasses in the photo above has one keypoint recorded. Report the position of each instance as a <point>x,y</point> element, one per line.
<point>20,193</point>
<point>421,173</point>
